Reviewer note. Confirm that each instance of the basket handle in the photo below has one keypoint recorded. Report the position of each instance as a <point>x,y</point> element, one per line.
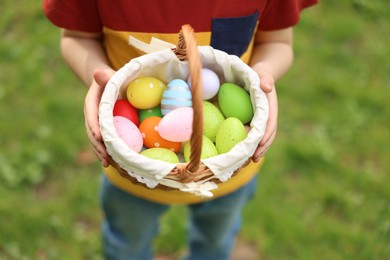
<point>187,49</point>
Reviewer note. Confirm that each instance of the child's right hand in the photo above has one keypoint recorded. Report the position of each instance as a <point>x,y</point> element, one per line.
<point>91,114</point>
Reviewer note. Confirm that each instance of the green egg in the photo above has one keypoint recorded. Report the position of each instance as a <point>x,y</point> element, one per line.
<point>208,149</point>
<point>212,118</point>
<point>145,113</point>
<point>235,101</point>
<point>161,154</point>
<point>230,132</point>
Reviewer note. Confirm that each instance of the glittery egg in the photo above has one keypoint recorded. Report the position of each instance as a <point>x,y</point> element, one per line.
<point>128,132</point>
<point>208,149</point>
<point>176,126</point>
<point>161,154</point>
<point>212,119</point>
<point>177,94</point>
<point>229,133</point>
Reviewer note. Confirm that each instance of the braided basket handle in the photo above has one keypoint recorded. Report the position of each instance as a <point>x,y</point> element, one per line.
<point>187,49</point>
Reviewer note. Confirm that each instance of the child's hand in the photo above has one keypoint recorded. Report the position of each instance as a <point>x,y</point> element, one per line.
<point>267,84</point>
<point>91,111</point>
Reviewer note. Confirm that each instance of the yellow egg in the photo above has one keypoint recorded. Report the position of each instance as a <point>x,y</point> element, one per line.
<point>145,92</point>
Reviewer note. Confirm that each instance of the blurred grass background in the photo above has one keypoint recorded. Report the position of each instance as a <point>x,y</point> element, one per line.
<point>325,187</point>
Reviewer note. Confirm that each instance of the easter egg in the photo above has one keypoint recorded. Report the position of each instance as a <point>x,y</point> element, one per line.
<point>145,92</point>
<point>145,113</point>
<point>151,137</point>
<point>161,154</point>
<point>235,101</point>
<point>177,94</point>
<point>208,149</point>
<point>176,126</point>
<point>122,107</point>
<point>212,118</point>
<point>230,132</point>
<point>128,132</point>
<point>210,82</point>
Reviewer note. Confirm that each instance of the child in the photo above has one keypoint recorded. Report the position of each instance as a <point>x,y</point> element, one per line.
<point>94,43</point>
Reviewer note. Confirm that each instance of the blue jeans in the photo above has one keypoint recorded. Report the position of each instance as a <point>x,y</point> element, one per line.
<point>131,224</point>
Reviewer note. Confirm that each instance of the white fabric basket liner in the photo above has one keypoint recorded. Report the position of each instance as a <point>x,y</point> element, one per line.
<point>165,66</point>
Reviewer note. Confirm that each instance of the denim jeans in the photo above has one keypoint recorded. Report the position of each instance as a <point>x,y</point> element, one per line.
<point>131,224</point>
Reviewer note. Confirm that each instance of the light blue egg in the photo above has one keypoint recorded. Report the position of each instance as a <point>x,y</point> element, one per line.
<point>177,94</point>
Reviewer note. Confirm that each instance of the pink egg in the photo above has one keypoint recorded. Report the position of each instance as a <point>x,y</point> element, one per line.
<point>176,126</point>
<point>129,133</point>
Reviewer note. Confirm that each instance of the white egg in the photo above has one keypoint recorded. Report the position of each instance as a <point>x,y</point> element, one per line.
<point>210,82</point>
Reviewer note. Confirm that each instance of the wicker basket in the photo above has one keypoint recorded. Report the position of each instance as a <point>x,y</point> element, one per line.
<point>197,176</point>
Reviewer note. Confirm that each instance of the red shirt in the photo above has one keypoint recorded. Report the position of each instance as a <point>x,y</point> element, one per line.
<point>227,25</point>
<point>167,16</point>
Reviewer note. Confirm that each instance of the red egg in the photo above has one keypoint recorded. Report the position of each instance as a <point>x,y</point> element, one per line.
<point>152,138</point>
<point>123,108</point>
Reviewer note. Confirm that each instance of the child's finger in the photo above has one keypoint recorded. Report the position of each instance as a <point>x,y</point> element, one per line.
<point>101,77</point>
<point>272,118</point>
<point>262,149</point>
<point>91,111</point>
<point>97,145</point>
<point>266,85</point>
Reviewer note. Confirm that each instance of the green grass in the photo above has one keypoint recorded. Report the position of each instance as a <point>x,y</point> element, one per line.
<point>324,189</point>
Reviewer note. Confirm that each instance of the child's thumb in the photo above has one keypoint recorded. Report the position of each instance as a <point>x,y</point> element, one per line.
<point>267,84</point>
<point>101,77</point>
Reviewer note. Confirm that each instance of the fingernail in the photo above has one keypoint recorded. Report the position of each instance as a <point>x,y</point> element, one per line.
<point>269,85</point>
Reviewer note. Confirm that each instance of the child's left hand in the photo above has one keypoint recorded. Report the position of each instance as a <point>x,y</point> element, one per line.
<point>267,84</point>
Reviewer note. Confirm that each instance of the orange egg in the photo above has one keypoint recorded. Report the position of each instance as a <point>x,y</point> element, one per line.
<point>152,138</point>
